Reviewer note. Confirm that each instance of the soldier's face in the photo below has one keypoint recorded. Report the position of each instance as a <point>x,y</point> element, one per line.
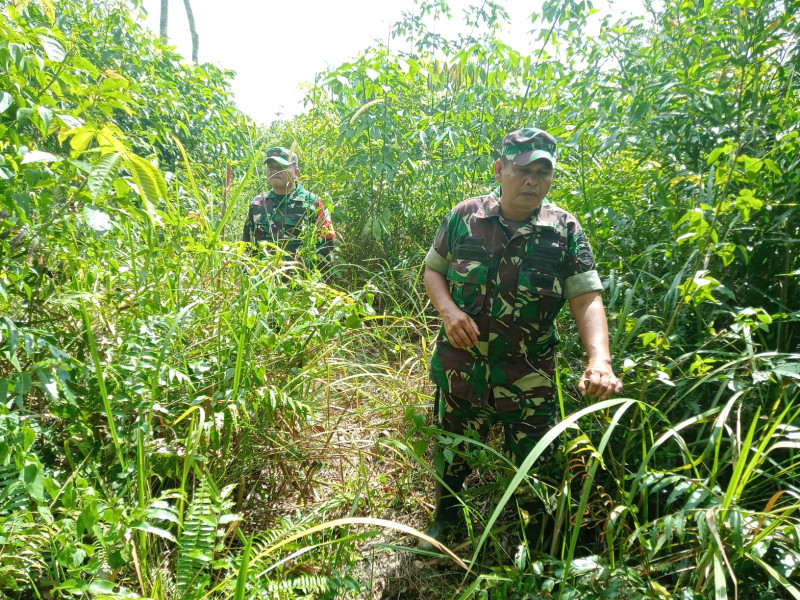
<point>280,177</point>
<point>523,188</point>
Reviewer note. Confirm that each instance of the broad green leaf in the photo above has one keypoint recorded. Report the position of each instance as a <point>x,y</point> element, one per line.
<point>52,487</point>
<point>46,115</point>
<point>70,121</point>
<point>82,165</point>
<point>80,141</point>
<point>72,557</point>
<point>103,174</point>
<point>12,334</point>
<point>28,437</point>
<point>49,9</point>
<point>87,66</point>
<point>23,116</point>
<point>150,181</point>
<point>49,384</point>
<point>163,514</point>
<point>77,586</point>
<point>121,187</point>
<point>38,156</point>
<point>102,587</point>
<point>114,83</point>
<point>53,49</point>
<point>96,219</point>
<point>105,589</point>
<point>772,167</point>
<point>112,515</point>
<point>87,519</point>
<point>6,100</point>
<point>716,152</point>
<point>17,54</point>
<point>109,135</point>
<point>22,384</point>
<point>79,137</point>
<point>420,447</point>
<point>145,526</point>
<point>70,496</point>
<point>32,478</point>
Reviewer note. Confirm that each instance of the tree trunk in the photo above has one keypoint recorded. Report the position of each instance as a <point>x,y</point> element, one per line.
<point>164,18</point>
<point>192,29</point>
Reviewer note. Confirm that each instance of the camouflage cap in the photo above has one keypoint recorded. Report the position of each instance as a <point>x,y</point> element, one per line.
<point>528,144</point>
<point>281,155</point>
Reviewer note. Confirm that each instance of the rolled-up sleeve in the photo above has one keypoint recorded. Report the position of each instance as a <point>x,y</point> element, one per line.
<point>582,283</point>
<point>438,257</point>
<point>437,262</point>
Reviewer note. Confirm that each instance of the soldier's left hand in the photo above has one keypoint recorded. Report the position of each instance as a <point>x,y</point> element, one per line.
<point>599,382</point>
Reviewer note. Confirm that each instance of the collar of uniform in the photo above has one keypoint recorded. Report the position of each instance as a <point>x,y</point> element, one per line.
<point>295,192</point>
<point>490,207</point>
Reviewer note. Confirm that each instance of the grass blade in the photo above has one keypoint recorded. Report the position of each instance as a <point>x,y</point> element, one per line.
<point>241,577</point>
<point>532,457</point>
<point>98,367</point>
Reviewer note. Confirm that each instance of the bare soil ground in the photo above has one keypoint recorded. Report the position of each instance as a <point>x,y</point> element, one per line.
<point>343,455</point>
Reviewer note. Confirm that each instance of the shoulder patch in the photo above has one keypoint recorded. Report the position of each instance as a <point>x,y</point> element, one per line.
<point>585,256</point>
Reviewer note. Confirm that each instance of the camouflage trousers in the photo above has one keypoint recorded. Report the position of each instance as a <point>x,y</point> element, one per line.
<point>524,423</point>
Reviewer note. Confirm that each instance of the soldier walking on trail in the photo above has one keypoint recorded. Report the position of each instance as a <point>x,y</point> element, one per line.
<point>499,271</point>
<point>284,214</point>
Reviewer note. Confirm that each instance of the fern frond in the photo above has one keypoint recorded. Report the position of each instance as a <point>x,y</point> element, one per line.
<point>305,582</point>
<point>13,497</point>
<point>20,550</point>
<point>209,509</point>
<point>287,528</point>
<point>196,542</point>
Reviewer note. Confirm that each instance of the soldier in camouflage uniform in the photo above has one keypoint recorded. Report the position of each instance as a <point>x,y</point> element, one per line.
<point>287,211</point>
<point>499,271</point>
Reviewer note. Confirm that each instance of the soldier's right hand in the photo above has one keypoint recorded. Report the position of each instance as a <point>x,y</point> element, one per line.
<point>461,330</point>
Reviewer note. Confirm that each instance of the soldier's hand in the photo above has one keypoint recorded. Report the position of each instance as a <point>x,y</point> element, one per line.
<point>461,330</point>
<point>599,382</point>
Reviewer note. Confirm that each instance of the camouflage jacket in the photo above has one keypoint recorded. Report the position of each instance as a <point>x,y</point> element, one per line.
<point>513,281</point>
<point>283,220</point>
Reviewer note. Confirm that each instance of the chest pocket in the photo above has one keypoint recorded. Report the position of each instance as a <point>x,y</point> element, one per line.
<point>293,218</point>
<point>540,286</point>
<point>468,275</point>
<point>539,296</point>
<point>262,226</point>
<point>282,222</point>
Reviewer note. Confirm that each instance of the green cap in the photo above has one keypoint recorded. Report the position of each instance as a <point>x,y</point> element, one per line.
<point>528,144</point>
<point>281,155</point>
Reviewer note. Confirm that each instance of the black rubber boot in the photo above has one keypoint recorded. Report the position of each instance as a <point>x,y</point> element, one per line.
<point>448,513</point>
